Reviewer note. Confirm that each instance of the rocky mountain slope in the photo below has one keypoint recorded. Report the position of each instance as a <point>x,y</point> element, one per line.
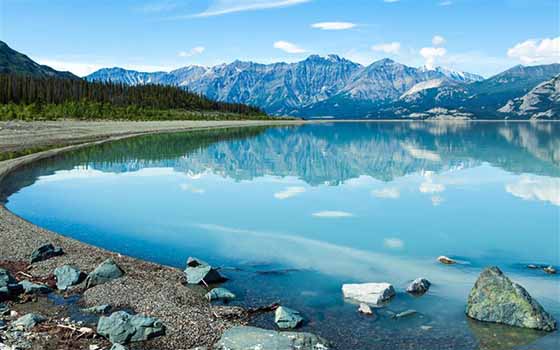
<point>541,102</point>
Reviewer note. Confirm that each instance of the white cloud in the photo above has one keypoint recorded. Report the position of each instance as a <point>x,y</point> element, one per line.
<point>389,48</point>
<point>197,50</point>
<point>536,51</point>
<point>389,192</point>
<point>191,188</point>
<point>332,214</point>
<point>393,243</point>
<point>438,40</point>
<point>288,47</point>
<point>333,25</point>
<point>536,188</point>
<point>430,54</point>
<point>289,192</point>
<point>222,7</point>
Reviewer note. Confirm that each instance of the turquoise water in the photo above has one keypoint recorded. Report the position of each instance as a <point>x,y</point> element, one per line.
<point>292,213</point>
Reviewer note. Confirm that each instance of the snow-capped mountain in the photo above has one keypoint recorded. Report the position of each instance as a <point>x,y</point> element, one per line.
<point>454,75</point>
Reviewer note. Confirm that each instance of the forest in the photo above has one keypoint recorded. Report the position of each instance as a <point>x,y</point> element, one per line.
<point>27,97</point>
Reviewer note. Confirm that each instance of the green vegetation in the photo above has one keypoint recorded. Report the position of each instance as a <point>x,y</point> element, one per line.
<point>27,97</point>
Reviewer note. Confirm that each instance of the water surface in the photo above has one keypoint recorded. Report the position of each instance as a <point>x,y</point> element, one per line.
<point>292,213</point>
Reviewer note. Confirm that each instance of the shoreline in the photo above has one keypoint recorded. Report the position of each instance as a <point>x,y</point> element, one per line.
<point>148,288</point>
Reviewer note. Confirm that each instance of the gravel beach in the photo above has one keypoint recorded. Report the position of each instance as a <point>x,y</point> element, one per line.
<point>146,288</point>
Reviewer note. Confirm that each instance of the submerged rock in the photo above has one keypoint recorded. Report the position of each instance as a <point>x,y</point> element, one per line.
<point>369,293</point>
<point>220,294</point>
<point>100,309</point>
<point>495,298</point>
<point>122,327</point>
<point>106,271</point>
<point>28,321</point>
<point>550,270</point>
<point>419,286</point>
<point>67,276</point>
<point>244,338</point>
<point>45,252</point>
<point>198,271</point>
<point>365,309</point>
<point>405,313</point>
<point>34,288</point>
<point>446,260</point>
<point>287,318</point>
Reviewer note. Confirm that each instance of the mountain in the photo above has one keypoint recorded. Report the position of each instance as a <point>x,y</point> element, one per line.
<point>13,62</point>
<point>332,86</point>
<point>543,101</point>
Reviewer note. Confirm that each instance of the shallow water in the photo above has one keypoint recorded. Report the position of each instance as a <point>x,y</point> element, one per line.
<point>291,213</point>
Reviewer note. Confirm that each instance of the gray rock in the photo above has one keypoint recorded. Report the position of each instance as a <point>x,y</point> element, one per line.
<point>67,276</point>
<point>6,278</point>
<point>369,293</point>
<point>34,288</point>
<point>28,321</point>
<point>245,338</point>
<point>495,298</point>
<point>198,271</point>
<point>220,294</point>
<point>45,252</point>
<point>106,271</point>
<point>117,347</point>
<point>122,327</point>
<point>287,318</point>
<point>10,291</point>
<point>100,309</point>
<point>419,286</point>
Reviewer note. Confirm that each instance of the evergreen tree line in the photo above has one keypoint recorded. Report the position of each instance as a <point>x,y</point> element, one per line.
<point>23,97</point>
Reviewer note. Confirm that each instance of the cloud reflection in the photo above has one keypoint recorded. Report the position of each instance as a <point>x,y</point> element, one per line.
<point>536,188</point>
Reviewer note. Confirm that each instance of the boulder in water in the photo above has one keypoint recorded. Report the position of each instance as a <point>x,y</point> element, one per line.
<point>220,294</point>
<point>244,337</point>
<point>495,298</point>
<point>106,271</point>
<point>365,309</point>
<point>287,318</point>
<point>45,252</point>
<point>122,327</point>
<point>199,271</point>
<point>418,286</point>
<point>446,260</point>
<point>369,293</point>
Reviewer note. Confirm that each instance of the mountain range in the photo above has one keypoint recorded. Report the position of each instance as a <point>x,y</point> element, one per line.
<point>334,87</point>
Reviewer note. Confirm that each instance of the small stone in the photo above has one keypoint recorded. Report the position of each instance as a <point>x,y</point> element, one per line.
<point>122,327</point>
<point>550,270</point>
<point>34,288</point>
<point>287,318</point>
<point>446,260</point>
<point>365,309</point>
<point>13,313</point>
<point>495,298</point>
<point>45,252</point>
<point>198,271</point>
<point>220,294</point>
<point>369,293</point>
<point>418,286</point>
<point>100,309</point>
<point>67,276</point>
<point>105,272</point>
<point>28,321</point>
<point>406,313</point>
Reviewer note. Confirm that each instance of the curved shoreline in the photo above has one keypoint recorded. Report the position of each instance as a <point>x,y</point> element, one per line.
<point>147,287</point>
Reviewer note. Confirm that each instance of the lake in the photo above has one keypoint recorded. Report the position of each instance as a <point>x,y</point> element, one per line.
<point>292,213</point>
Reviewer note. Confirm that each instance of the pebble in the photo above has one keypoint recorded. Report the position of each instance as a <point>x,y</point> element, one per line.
<point>365,309</point>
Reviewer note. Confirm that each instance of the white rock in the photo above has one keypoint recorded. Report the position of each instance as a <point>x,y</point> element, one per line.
<point>369,293</point>
<point>365,309</point>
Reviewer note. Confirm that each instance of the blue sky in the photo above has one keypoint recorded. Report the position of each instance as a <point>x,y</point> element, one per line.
<point>480,36</point>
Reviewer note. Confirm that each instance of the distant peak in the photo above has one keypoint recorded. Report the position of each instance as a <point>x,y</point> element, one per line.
<point>385,61</point>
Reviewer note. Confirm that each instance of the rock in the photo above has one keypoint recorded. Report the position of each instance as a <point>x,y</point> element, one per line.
<point>122,327</point>
<point>550,270</point>
<point>6,278</point>
<point>365,309</point>
<point>287,318</point>
<point>369,293</point>
<point>67,276</point>
<point>405,313</point>
<point>117,347</point>
<point>34,288</point>
<point>106,271</point>
<point>198,271</point>
<point>28,321</point>
<point>100,309</point>
<point>220,294</point>
<point>445,260</point>
<point>244,338</point>
<point>45,252</point>
<point>532,266</point>
<point>418,286</point>
<point>495,298</point>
